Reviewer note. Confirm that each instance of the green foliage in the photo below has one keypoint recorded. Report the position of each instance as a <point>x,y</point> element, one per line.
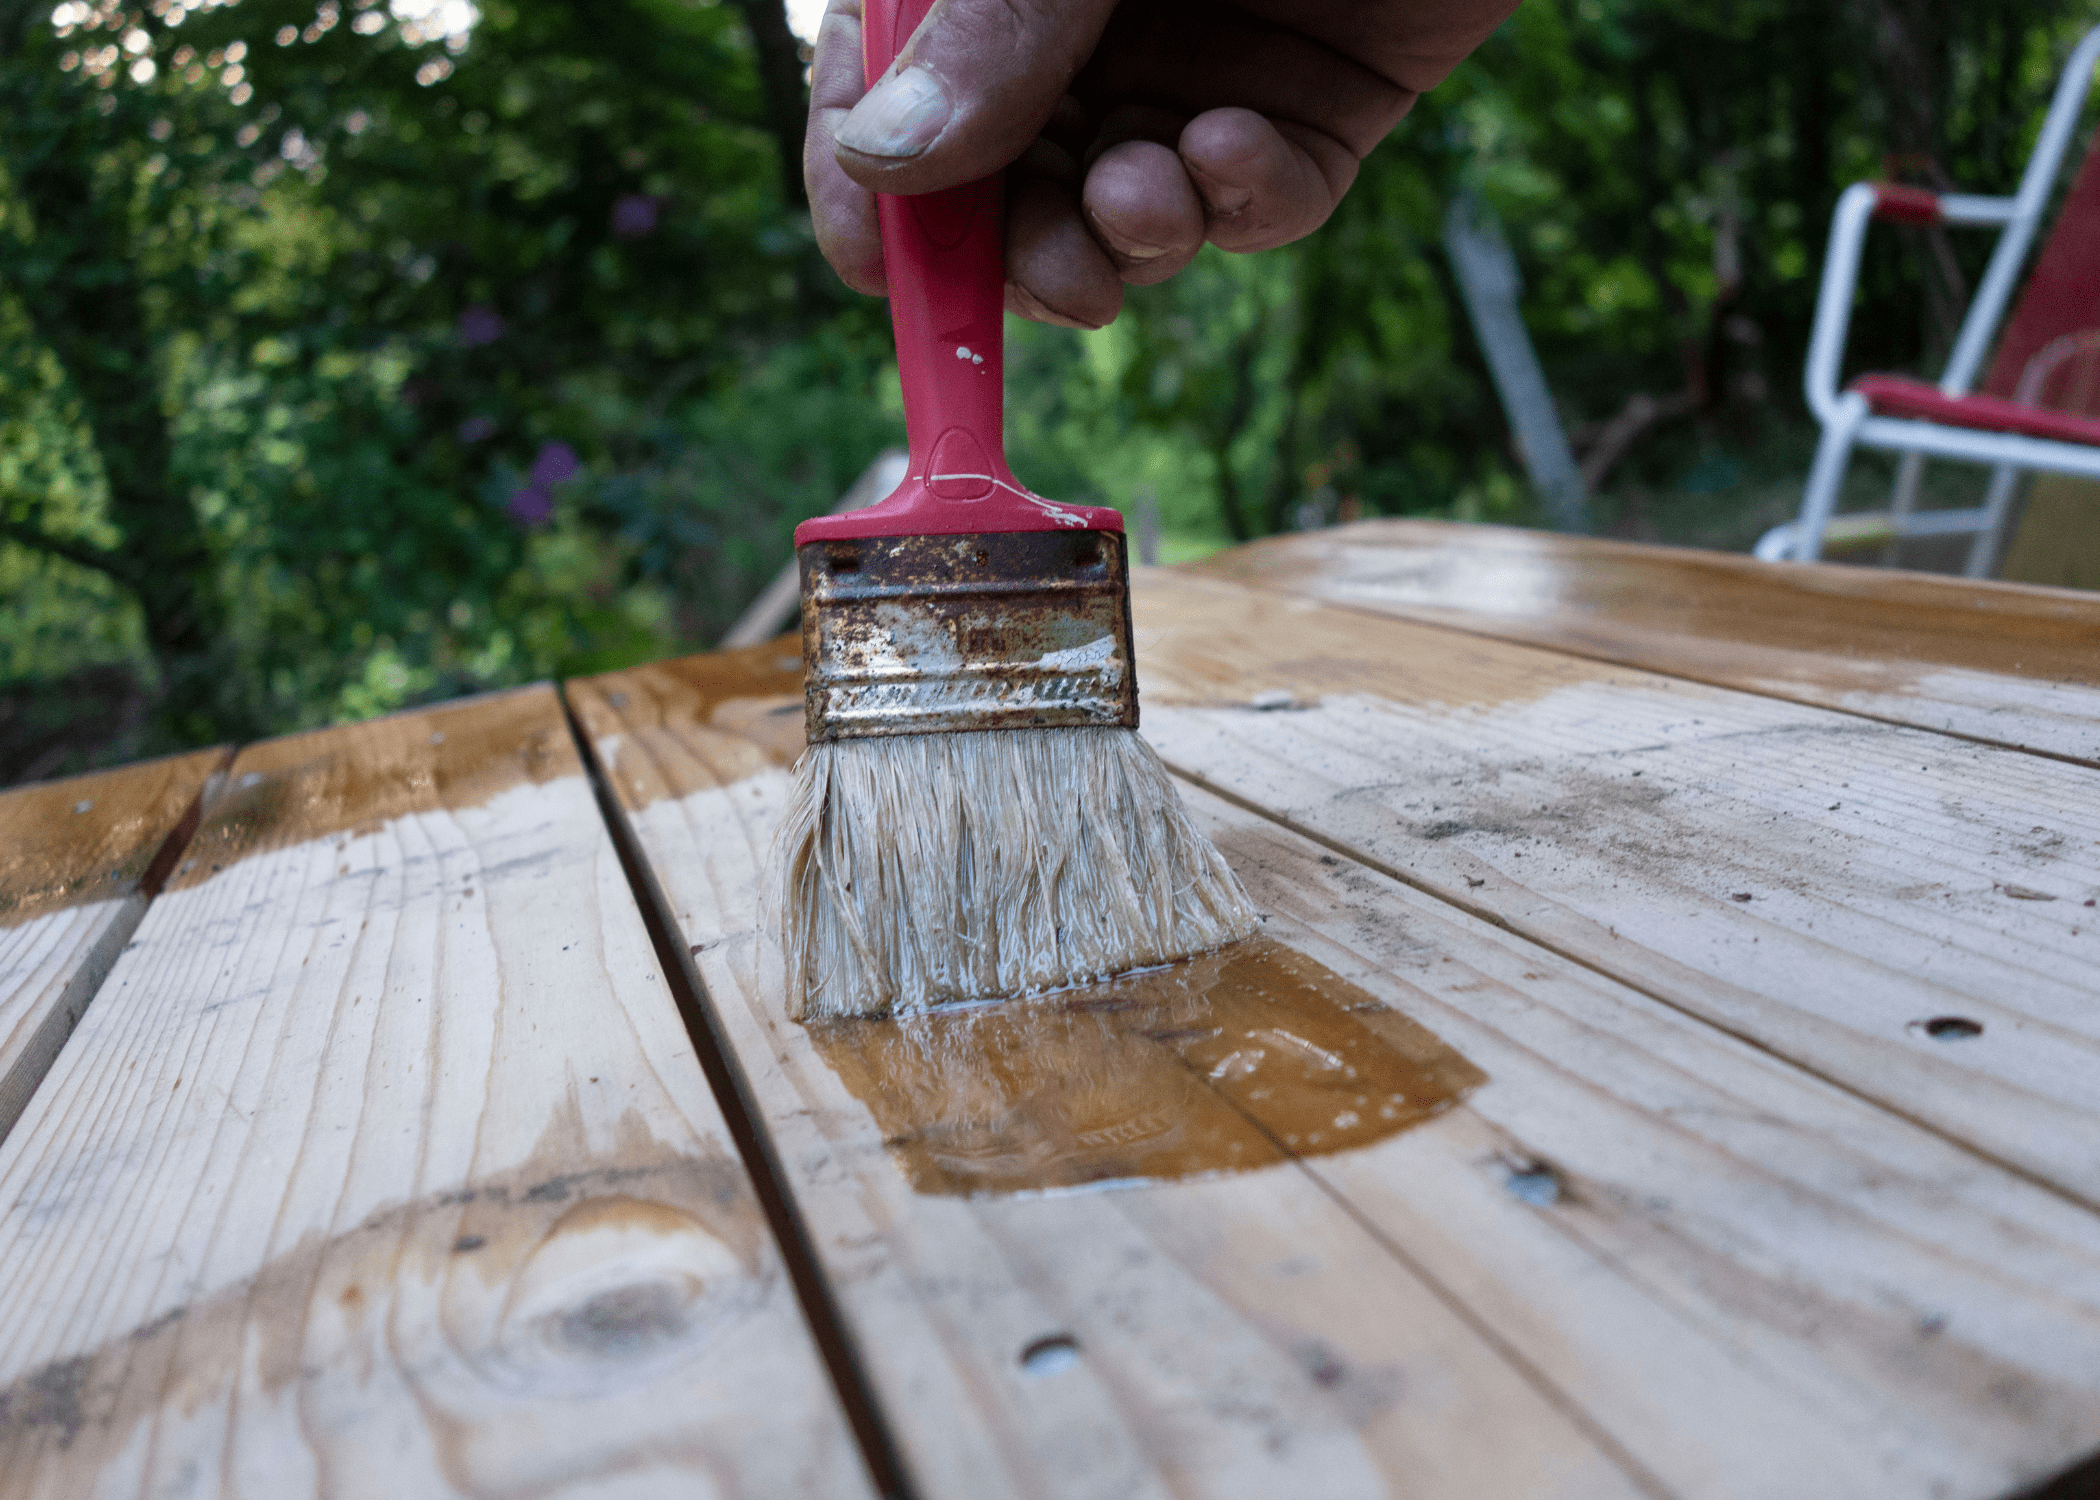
<point>345,365</point>
<point>1665,172</point>
<point>371,370</point>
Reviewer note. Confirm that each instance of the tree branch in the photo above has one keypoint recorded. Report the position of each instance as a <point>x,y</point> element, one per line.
<point>101,559</point>
<point>1606,442</point>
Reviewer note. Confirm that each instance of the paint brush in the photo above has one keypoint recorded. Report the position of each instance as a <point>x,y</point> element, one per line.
<point>976,816</point>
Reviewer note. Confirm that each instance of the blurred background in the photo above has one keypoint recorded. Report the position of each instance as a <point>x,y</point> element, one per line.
<point>364,354</point>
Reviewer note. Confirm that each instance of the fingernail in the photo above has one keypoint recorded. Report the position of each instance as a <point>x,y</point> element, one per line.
<point>1130,251</point>
<point>1121,243</point>
<point>1218,197</point>
<point>900,116</point>
<point>1019,299</point>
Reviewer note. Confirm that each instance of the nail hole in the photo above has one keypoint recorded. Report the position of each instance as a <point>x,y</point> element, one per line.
<point>1087,554</point>
<point>845,562</point>
<point>1949,1028</point>
<point>1047,1356</point>
<point>1533,1182</point>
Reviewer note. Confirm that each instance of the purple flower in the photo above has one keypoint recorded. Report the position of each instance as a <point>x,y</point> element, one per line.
<point>531,507</point>
<point>478,325</point>
<point>556,462</point>
<point>474,429</point>
<point>635,215</point>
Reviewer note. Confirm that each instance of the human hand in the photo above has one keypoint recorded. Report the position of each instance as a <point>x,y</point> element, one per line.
<point>1135,129</point>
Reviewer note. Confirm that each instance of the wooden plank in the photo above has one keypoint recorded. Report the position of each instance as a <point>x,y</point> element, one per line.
<point>79,860</point>
<point>1236,1335</point>
<point>383,1165</point>
<point>2009,664</point>
<point>1756,1282</point>
<point>1747,1281</point>
<point>1823,885</point>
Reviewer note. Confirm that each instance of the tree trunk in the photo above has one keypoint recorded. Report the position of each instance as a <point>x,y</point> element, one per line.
<point>1911,54</point>
<point>80,288</point>
<point>780,65</point>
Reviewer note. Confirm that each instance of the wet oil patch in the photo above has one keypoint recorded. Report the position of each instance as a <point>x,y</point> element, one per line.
<point>719,679</point>
<point>774,724</point>
<point>355,779</point>
<point>697,723</point>
<point>1876,632</point>
<point>723,689</point>
<point>1234,1060</point>
<point>95,837</point>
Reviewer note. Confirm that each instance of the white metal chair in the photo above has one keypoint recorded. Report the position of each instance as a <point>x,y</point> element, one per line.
<point>2030,416</point>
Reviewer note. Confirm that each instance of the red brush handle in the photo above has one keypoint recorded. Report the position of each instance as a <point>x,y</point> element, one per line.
<point>945,255</point>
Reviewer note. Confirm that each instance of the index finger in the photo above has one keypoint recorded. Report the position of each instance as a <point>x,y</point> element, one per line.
<point>841,211</point>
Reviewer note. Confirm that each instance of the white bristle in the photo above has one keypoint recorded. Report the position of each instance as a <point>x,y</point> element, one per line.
<point>917,870</point>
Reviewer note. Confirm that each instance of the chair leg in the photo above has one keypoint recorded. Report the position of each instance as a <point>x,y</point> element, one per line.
<point>1997,507</point>
<point>1902,501</point>
<point>1819,500</point>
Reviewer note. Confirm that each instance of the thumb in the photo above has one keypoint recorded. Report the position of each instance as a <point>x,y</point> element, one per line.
<point>968,93</point>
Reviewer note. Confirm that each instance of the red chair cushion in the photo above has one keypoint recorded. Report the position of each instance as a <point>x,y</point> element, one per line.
<point>2062,293</point>
<point>1894,396</point>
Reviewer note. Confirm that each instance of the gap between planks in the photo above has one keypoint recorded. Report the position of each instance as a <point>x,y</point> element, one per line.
<point>1911,1188</point>
<point>95,914</point>
<point>732,1090</point>
<point>1232,1328</point>
<point>1522,747</point>
<point>1604,970</point>
<point>647,1327</point>
<point>834,1334</point>
<point>1677,671</point>
<point>1922,1238</point>
<point>2079,1482</point>
<point>70,1002</point>
<point>1913,650</point>
<point>766,1170</point>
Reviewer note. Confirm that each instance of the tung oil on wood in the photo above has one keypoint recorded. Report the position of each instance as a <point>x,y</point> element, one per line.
<point>79,860</point>
<point>1229,1333</point>
<point>1233,1060</point>
<point>383,1165</point>
<point>1998,662</point>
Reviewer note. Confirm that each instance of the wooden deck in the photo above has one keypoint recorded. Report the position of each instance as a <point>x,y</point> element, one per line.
<point>1670,1068</point>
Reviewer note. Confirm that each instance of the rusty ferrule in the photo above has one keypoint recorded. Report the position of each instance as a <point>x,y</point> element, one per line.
<point>939,634</point>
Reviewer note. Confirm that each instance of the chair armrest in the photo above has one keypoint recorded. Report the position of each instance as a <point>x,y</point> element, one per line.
<point>1860,203</point>
<point>1975,210</point>
<point>1826,346</point>
<point>1898,204</point>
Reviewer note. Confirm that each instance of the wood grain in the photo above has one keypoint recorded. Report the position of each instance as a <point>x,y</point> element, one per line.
<point>1822,885</point>
<point>383,1166</point>
<point>77,867</point>
<point>1237,1335</point>
<point>2009,664</point>
<point>1757,1283</point>
<point>1740,1280</point>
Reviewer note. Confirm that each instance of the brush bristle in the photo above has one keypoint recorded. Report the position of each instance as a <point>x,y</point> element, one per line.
<point>922,869</point>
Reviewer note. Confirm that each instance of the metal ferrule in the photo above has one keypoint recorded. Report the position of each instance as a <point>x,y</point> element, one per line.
<point>939,634</point>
